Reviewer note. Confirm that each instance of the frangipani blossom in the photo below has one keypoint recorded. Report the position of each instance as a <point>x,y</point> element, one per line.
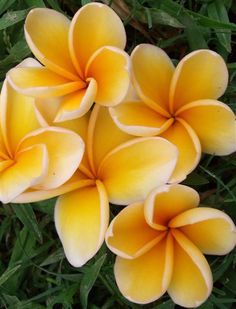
<point>83,59</point>
<point>32,156</point>
<point>180,104</point>
<point>160,245</point>
<point>116,168</point>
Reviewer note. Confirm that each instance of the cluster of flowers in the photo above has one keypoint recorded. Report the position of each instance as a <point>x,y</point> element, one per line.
<point>143,135</point>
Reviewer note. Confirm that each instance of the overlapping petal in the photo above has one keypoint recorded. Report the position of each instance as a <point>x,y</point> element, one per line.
<point>130,171</point>
<point>27,169</point>
<point>191,281</point>
<point>129,236</point>
<point>41,82</point>
<point>46,32</point>
<point>18,116</point>
<point>152,73</point>
<point>103,136</point>
<point>81,219</point>
<point>187,142</point>
<point>35,195</point>
<point>166,202</point>
<point>201,74</point>
<point>138,119</point>
<point>211,230</point>
<point>93,26</point>
<point>63,146</point>
<point>109,66</point>
<point>77,104</point>
<point>146,278</point>
<point>214,123</point>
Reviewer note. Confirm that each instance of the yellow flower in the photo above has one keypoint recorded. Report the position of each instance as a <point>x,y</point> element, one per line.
<point>180,104</point>
<point>160,245</point>
<point>32,156</point>
<point>116,168</point>
<point>83,59</point>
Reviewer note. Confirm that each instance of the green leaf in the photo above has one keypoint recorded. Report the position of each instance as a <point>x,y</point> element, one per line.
<point>165,305</point>
<point>193,32</point>
<point>26,215</point>
<point>157,16</point>
<point>83,2</point>
<point>89,279</point>
<point>35,3</point>
<point>216,10</point>
<point>53,258</point>
<point>195,179</point>
<point>8,273</point>
<point>12,18</point>
<point>5,4</point>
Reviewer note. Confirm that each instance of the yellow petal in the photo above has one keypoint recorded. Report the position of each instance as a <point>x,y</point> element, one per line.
<point>109,66</point>
<point>139,119</point>
<point>4,164</point>
<point>81,219</point>
<point>63,146</point>
<point>100,139</point>
<point>166,202</point>
<point>146,278</point>
<point>34,195</point>
<point>46,32</point>
<point>41,82</point>
<point>95,25</point>
<point>201,74</point>
<point>211,230</point>
<point>78,103</point>
<point>217,128</point>
<point>152,73</point>
<point>187,142</point>
<point>191,281</point>
<point>28,169</point>
<point>133,169</point>
<point>18,116</point>
<point>46,110</point>
<point>129,236</point>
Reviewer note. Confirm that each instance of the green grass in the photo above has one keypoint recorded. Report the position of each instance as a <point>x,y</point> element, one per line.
<point>33,270</point>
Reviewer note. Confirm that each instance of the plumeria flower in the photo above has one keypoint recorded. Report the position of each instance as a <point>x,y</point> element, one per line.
<point>32,156</point>
<point>83,59</point>
<point>160,245</point>
<point>180,104</point>
<point>116,168</point>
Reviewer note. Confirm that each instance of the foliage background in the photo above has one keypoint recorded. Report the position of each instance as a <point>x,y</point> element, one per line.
<point>33,270</point>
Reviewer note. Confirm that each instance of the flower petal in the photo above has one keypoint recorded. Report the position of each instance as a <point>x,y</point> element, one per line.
<point>46,32</point>
<point>217,128</point>
<point>152,73</point>
<point>78,103</point>
<point>27,170</point>
<point>166,202</point>
<point>138,119</point>
<point>191,281</point>
<point>146,278</point>
<point>129,236</point>
<point>95,25</point>
<point>63,146</point>
<point>211,230</point>
<point>81,219</point>
<point>109,66</point>
<point>133,169</point>
<point>41,82</point>
<point>74,183</point>
<point>100,140</point>
<point>46,110</point>
<point>18,116</point>
<point>201,74</point>
<point>187,142</point>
